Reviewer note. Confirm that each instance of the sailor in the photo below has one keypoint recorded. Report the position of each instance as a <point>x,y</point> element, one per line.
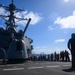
<point>62,55</point>
<point>71,47</point>
<point>67,56</point>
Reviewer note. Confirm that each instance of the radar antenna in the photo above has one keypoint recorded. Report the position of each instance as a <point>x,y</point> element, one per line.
<point>12,1</point>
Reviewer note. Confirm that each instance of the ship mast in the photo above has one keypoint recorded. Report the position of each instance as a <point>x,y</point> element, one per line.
<point>11,20</point>
<point>11,17</point>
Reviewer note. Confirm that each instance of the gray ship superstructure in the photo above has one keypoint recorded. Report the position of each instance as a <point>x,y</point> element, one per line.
<point>14,46</point>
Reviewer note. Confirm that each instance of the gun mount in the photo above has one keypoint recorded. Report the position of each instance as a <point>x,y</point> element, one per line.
<point>14,44</point>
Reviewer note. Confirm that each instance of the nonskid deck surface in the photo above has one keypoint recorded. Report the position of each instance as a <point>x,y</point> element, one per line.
<point>37,68</point>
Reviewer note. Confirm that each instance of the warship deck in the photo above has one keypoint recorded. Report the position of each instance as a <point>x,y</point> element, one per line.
<point>37,68</point>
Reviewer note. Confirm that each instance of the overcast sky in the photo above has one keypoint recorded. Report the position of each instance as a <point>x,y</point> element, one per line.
<point>53,22</point>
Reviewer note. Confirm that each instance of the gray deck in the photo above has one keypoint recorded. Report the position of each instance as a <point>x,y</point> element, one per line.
<point>37,68</point>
